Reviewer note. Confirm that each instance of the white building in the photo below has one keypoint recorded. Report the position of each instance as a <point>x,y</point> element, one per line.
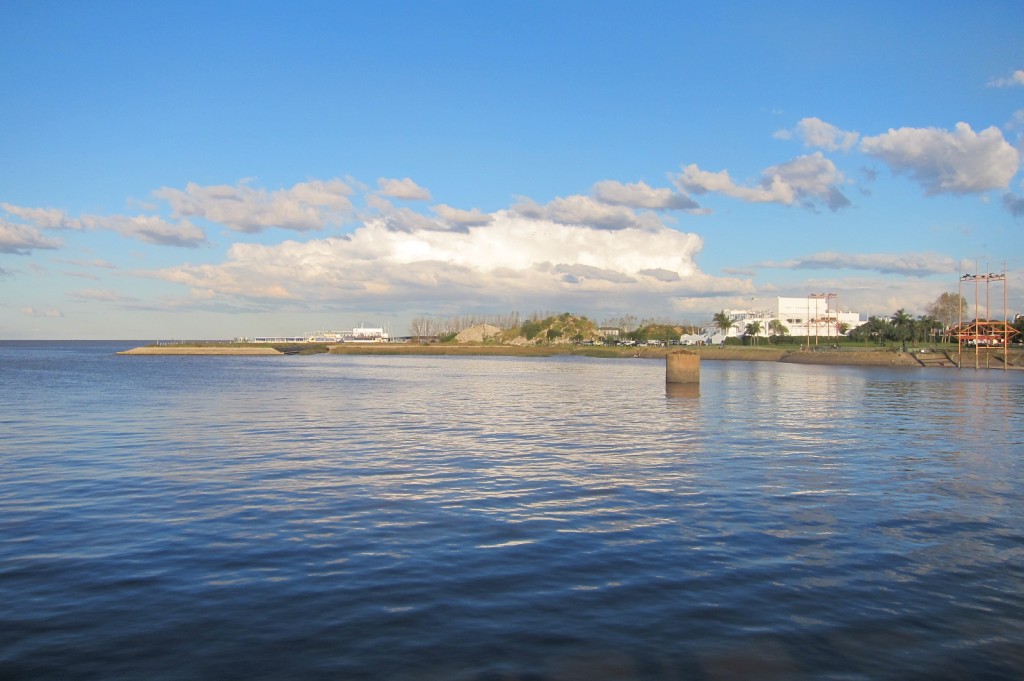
<point>360,334</point>
<point>365,334</point>
<point>815,316</point>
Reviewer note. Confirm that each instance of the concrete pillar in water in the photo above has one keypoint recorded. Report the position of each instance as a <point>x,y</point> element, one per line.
<point>682,367</point>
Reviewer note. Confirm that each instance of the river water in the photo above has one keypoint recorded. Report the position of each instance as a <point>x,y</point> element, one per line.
<point>341,517</point>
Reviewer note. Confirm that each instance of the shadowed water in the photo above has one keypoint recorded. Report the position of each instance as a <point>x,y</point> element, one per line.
<point>337,517</point>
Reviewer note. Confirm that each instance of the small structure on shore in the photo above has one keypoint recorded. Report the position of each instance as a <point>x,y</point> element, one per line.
<point>682,366</point>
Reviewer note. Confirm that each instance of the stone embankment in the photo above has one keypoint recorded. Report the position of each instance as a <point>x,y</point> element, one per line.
<point>836,357</point>
<point>852,358</point>
<point>200,350</point>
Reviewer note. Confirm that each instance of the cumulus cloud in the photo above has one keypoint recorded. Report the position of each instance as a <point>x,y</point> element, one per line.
<point>511,260</point>
<point>907,264</point>
<point>641,195</point>
<point>805,180</point>
<point>408,221</point>
<point>1016,79</point>
<point>577,274</point>
<point>402,189</point>
<point>817,133</point>
<point>812,178</point>
<point>149,229</point>
<point>661,275</point>
<point>463,218</point>
<point>306,206</point>
<point>585,211</point>
<point>961,161</point>
<point>22,239</point>
<point>44,218</point>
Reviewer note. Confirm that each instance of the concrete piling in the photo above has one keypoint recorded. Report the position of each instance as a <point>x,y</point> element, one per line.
<point>682,366</point>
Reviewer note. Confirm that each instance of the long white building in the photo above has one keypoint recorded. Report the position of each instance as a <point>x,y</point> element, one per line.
<point>360,334</point>
<point>815,316</point>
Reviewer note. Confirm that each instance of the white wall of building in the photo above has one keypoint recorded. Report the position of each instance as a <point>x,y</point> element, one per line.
<point>810,317</point>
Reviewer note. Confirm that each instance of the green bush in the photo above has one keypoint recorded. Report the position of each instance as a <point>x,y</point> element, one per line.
<point>531,329</point>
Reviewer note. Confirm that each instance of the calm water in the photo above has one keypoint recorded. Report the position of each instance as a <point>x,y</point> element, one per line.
<point>333,517</point>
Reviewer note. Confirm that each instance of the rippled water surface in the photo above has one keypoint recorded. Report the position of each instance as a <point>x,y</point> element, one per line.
<point>336,517</point>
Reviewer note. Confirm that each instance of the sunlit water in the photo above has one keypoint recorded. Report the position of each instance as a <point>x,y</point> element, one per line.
<point>335,517</point>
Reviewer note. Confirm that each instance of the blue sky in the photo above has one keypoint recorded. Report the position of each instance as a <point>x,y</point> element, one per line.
<point>210,170</point>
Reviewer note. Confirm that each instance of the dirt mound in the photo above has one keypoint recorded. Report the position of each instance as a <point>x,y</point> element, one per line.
<point>477,334</point>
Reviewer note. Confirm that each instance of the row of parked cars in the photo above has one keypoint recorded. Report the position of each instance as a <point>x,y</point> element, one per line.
<point>633,343</point>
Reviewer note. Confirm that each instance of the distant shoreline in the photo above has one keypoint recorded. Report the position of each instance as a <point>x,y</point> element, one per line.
<point>825,356</point>
<point>200,350</point>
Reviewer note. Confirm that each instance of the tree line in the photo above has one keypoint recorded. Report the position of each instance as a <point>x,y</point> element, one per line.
<point>935,325</point>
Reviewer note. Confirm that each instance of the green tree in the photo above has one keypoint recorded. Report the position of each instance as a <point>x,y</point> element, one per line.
<point>752,330</point>
<point>777,329</point>
<point>876,329</point>
<point>926,328</point>
<point>654,331</point>
<point>903,326</point>
<point>723,321</point>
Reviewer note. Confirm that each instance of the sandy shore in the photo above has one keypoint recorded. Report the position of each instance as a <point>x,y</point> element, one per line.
<point>199,350</point>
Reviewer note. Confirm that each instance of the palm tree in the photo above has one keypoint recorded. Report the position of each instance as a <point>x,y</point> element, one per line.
<point>753,328</point>
<point>877,329</point>
<point>723,321</point>
<point>903,325</point>
<point>777,328</point>
<point>926,328</point>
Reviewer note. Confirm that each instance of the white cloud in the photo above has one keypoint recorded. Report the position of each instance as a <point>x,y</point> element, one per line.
<point>957,162</point>
<point>44,312</point>
<point>306,206</point>
<point>402,189</point>
<point>585,211</point>
<point>21,239</point>
<point>702,181</point>
<point>45,218</point>
<point>641,195</point>
<point>459,217</point>
<point>1016,79</point>
<point>805,179</point>
<point>817,133</point>
<point>149,228</point>
<point>511,261</point>
<point>102,264</point>
<point>907,264</point>
<point>105,295</point>
<point>405,220</point>
<point>811,178</point>
<point>1016,121</point>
